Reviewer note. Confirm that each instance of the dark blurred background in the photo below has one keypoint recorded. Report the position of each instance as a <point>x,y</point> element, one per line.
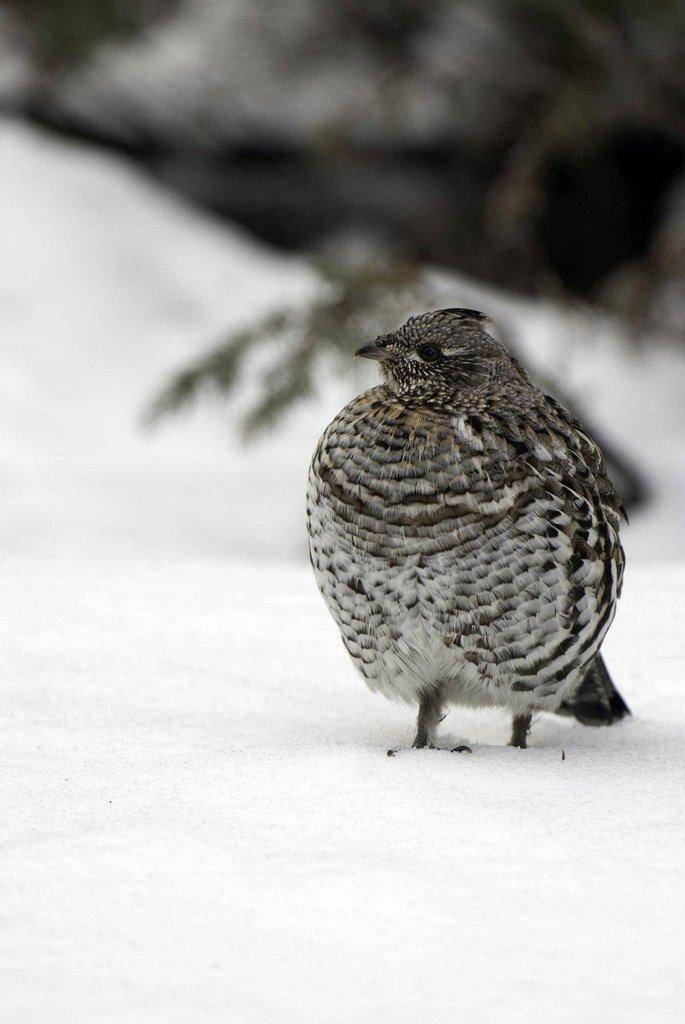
<point>536,145</point>
<point>529,154</point>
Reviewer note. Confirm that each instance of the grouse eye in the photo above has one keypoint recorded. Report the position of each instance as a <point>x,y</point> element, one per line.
<point>429,353</point>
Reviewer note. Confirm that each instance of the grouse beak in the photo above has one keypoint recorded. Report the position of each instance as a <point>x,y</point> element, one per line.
<point>373,352</point>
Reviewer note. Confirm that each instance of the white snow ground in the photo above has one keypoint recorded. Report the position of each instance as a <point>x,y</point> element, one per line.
<point>199,821</point>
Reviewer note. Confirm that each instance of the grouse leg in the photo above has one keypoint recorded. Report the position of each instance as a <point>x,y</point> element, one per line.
<point>520,730</point>
<point>429,717</point>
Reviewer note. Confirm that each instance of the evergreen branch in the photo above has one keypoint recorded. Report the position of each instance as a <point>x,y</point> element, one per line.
<point>352,306</point>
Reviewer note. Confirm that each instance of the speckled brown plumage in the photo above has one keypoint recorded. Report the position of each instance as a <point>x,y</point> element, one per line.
<point>463,530</point>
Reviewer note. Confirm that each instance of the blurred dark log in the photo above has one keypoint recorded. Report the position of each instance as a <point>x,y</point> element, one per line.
<point>594,212</point>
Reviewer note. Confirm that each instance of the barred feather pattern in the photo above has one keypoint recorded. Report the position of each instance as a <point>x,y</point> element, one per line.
<point>467,542</point>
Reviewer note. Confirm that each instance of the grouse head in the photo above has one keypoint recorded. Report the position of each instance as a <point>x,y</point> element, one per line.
<point>438,355</point>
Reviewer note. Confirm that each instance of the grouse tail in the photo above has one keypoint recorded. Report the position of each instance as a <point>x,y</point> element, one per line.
<point>596,701</point>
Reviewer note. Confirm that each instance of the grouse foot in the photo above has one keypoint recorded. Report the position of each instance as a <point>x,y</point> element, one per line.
<point>461,749</point>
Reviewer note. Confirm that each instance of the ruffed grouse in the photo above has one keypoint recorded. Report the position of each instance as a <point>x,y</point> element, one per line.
<point>464,533</point>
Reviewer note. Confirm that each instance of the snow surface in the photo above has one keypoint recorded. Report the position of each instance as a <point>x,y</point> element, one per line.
<point>200,822</point>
